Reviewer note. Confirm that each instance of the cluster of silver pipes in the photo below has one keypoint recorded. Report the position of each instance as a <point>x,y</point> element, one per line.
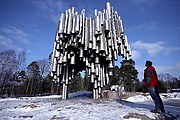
<point>83,43</point>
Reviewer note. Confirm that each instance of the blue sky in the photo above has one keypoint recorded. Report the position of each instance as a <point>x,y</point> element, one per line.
<point>152,27</point>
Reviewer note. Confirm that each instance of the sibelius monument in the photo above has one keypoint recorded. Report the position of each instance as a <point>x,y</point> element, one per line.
<point>83,43</point>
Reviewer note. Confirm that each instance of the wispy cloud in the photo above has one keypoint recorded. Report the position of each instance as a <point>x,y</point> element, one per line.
<point>11,36</point>
<point>174,70</point>
<point>148,25</point>
<point>143,5</point>
<point>177,66</point>
<point>164,69</point>
<point>15,33</point>
<point>144,26</point>
<point>88,6</point>
<point>6,42</point>
<point>152,49</point>
<point>51,9</point>
<point>13,30</point>
<point>148,3</point>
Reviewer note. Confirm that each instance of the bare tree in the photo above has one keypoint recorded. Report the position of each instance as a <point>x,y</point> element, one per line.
<point>18,76</point>
<point>21,60</point>
<point>33,74</point>
<point>43,67</point>
<point>8,66</point>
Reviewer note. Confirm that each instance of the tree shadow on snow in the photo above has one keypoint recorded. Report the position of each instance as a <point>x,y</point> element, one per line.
<point>136,105</point>
<point>172,112</point>
<point>82,95</point>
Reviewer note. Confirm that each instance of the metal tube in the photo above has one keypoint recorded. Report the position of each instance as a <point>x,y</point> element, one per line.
<point>65,57</point>
<point>92,78</point>
<point>69,28</point>
<point>54,66</point>
<point>72,60</point>
<point>92,68</point>
<point>102,49</point>
<point>107,75</point>
<point>77,21</point>
<point>90,30</point>
<point>83,26</point>
<point>97,69</point>
<point>64,95</point>
<point>100,22</point>
<point>73,24</point>
<point>107,26</point>
<point>93,36</point>
<point>81,53</point>
<point>62,22</point>
<point>64,75</point>
<point>108,9</point>
<point>121,25</point>
<point>130,52</point>
<point>66,22</point>
<point>86,39</point>
<point>67,75</point>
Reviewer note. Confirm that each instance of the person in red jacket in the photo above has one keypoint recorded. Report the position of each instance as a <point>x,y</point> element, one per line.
<point>151,83</point>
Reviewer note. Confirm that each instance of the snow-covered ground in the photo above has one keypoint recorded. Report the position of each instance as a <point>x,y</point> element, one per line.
<point>80,107</point>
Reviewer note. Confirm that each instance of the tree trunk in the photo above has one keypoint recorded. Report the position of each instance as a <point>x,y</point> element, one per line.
<point>32,81</point>
<point>12,90</point>
<point>29,80</point>
<point>52,88</point>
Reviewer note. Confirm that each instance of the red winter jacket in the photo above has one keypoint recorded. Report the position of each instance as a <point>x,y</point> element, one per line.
<point>150,77</point>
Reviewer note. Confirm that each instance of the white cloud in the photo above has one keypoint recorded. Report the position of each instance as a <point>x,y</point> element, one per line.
<point>13,30</point>
<point>164,69</point>
<point>177,66</point>
<point>143,5</point>
<point>147,25</point>
<point>135,55</point>
<point>15,33</point>
<point>11,36</point>
<point>88,6</point>
<point>51,9</point>
<point>140,1</point>
<point>6,42</point>
<point>148,3</point>
<point>174,70</point>
<point>153,49</point>
<point>170,49</point>
<point>150,25</point>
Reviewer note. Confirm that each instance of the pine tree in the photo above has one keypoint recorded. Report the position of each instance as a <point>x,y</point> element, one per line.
<point>86,82</point>
<point>115,79</point>
<point>33,81</point>
<point>129,75</point>
<point>76,84</point>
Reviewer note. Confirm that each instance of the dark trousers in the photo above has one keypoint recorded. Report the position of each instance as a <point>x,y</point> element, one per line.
<point>156,98</point>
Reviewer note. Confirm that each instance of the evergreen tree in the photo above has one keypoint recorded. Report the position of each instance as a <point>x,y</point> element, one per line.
<point>46,85</point>
<point>162,88</point>
<point>129,75</point>
<point>86,82</point>
<point>76,84</point>
<point>115,79</point>
<point>33,81</point>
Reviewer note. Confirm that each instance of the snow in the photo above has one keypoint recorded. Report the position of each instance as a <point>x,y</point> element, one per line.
<point>139,98</point>
<point>80,106</point>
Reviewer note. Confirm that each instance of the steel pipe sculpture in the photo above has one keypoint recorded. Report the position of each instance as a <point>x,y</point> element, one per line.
<point>83,43</point>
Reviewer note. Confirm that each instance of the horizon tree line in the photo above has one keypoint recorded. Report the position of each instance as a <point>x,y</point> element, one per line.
<point>17,79</point>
